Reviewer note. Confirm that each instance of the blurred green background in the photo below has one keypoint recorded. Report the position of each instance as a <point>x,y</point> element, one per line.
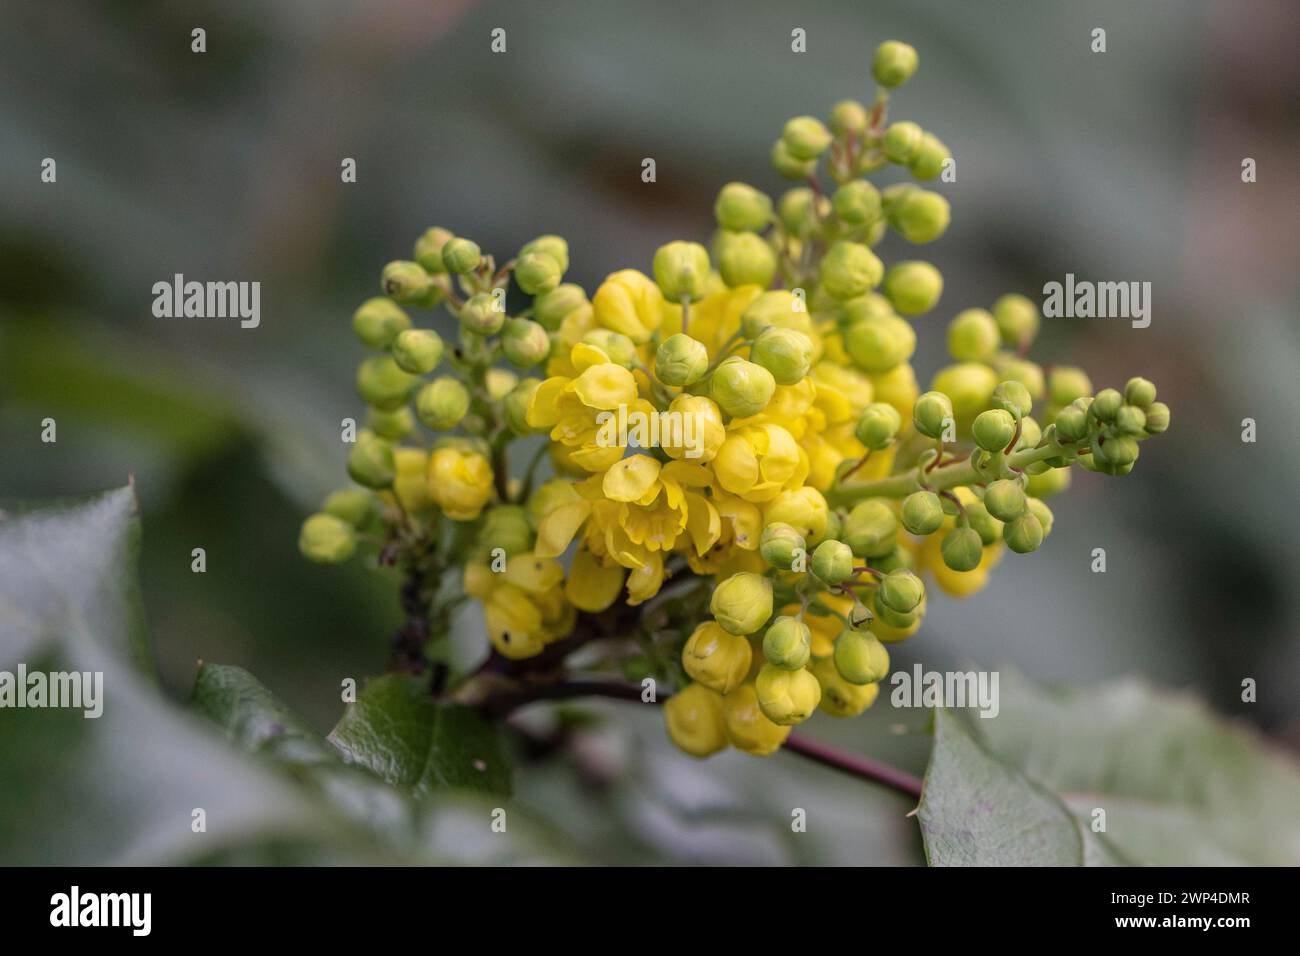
<point>225,166</point>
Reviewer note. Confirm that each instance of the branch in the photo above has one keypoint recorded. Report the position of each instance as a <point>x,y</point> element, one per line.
<point>864,768</point>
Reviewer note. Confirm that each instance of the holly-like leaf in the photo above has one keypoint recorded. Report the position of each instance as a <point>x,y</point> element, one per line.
<point>1116,774</point>
<point>396,730</point>
<point>131,785</point>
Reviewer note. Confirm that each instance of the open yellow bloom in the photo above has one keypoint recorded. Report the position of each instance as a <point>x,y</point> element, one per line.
<point>759,462</point>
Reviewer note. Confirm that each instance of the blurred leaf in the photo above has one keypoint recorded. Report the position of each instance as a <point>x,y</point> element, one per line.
<point>412,741</point>
<point>254,719</point>
<point>1179,786</point>
<point>976,811</point>
<point>121,788</point>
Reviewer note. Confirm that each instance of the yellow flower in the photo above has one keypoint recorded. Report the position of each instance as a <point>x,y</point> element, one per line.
<point>694,719</point>
<point>839,697</point>
<point>805,510</point>
<point>748,728</point>
<point>714,319</point>
<point>759,462</point>
<point>897,387</point>
<point>460,482</point>
<point>715,658</point>
<point>701,429</point>
<point>631,303</point>
<point>787,697</point>
<point>593,584</point>
<point>410,484</point>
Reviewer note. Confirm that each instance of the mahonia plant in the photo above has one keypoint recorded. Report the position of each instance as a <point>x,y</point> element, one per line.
<point>749,486</point>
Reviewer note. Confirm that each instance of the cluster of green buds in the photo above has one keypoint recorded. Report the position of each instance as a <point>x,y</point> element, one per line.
<point>750,490</point>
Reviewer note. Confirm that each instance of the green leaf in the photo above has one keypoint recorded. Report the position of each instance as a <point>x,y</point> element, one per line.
<point>67,578</point>
<point>976,811</point>
<point>1178,785</point>
<point>121,788</point>
<point>400,733</point>
<point>255,719</point>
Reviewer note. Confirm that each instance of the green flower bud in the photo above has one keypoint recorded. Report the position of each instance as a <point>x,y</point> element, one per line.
<point>742,208</point>
<point>849,116</point>
<point>1106,405</point>
<point>1131,421</point>
<point>357,506</point>
<point>780,544</point>
<point>922,512</point>
<point>798,211</point>
<point>744,258</point>
<point>326,539</point>
<point>461,256</point>
<point>620,349</point>
<point>417,351</point>
<point>894,63</point>
<point>1116,450</point>
<point>775,307</point>
<point>787,644</point>
<point>982,523</point>
<point>1027,373</point>
<point>1017,319</point>
<point>961,549</point>
<point>1043,513</point>
<point>832,562</point>
<point>553,307</point>
<point>860,658</point>
<point>850,269</point>
<point>381,383</point>
<point>524,342</point>
<point>516,404</point>
<point>742,603</point>
<point>481,316</point>
<point>405,282</point>
<point>741,388</point>
<point>901,591</point>
<point>554,246</point>
<point>442,403</point>
<point>921,216</point>
<point>901,141</point>
<point>506,527</point>
<point>913,287</point>
<point>881,344</point>
<point>897,619</point>
<point>805,137</point>
<point>537,273</point>
<point>1157,414</point>
<point>785,353</point>
<point>931,413</point>
<point>549,496</point>
<point>1005,499</point>
<point>787,165</point>
<point>993,429</point>
<point>871,529</point>
<point>1066,383</point>
<point>878,426</point>
<point>428,249</point>
<point>681,270</point>
<point>680,361</point>
<point>371,462</point>
<point>1014,398</point>
<point>379,321</point>
<point>393,424</point>
<point>1025,534</point>
<point>972,336</point>
<point>899,559</point>
<point>1139,392</point>
<point>927,162</point>
<point>1071,424</point>
<point>856,203</point>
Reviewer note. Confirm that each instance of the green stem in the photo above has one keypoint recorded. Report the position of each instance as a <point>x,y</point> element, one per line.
<point>949,476</point>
